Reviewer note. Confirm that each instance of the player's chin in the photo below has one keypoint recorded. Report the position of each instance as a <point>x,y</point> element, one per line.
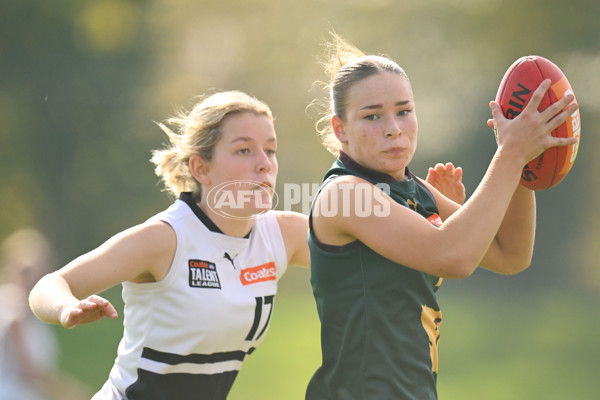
<point>256,208</point>
<point>261,209</point>
<point>393,166</point>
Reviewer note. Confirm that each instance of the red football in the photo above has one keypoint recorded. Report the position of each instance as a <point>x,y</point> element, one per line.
<point>516,88</point>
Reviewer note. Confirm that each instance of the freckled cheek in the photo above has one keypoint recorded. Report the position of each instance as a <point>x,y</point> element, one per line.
<point>366,137</point>
<point>411,129</point>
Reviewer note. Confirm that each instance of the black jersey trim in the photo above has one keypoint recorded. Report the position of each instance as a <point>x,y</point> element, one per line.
<point>174,359</point>
<point>188,199</point>
<point>331,248</point>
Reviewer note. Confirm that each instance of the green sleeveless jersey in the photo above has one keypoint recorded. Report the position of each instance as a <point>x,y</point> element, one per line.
<point>379,319</point>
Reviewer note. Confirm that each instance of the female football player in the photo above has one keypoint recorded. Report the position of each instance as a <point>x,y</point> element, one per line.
<point>199,278</point>
<point>381,239</point>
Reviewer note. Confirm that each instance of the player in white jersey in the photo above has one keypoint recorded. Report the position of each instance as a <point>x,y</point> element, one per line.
<point>199,279</point>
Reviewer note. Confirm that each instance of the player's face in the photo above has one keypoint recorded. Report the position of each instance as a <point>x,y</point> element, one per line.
<point>243,168</point>
<point>380,128</point>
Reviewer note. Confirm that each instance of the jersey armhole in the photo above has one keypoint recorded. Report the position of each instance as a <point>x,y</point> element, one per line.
<point>274,233</point>
<point>157,285</point>
<point>330,248</point>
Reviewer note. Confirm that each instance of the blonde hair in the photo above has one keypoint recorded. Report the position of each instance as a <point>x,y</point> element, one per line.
<point>198,131</point>
<point>346,65</point>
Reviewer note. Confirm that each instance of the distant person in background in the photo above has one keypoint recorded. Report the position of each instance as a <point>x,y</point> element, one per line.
<point>199,279</point>
<point>377,263</point>
<point>29,350</point>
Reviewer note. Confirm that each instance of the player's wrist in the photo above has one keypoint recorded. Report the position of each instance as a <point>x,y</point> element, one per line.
<point>512,159</point>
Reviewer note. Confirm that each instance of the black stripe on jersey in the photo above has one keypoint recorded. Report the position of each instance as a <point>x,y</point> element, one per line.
<point>174,359</point>
<point>152,386</point>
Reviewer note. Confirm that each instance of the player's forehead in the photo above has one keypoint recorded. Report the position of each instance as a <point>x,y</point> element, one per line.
<point>382,89</point>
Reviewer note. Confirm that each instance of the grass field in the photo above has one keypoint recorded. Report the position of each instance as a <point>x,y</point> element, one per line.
<point>493,347</point>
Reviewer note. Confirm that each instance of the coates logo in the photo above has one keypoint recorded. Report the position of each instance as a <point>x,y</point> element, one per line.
<point>256,197</point>
<point>262,273</point>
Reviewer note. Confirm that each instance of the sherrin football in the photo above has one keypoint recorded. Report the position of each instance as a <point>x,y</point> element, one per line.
<point>517,86</point>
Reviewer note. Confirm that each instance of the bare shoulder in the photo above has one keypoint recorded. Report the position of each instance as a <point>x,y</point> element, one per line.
<point>142,253</point>
<point>155,233</point>
<point>150,246</point>
<point>152,236</point>
<point>290,221</point>
<point>342,188</point>
<point>294,229</point>
<point>157,241</point>
<point>347,179</point>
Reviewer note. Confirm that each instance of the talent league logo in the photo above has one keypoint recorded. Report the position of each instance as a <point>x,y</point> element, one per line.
<point>203,274</point>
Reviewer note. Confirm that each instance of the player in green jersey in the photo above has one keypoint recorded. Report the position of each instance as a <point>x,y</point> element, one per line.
<point>381,239</point>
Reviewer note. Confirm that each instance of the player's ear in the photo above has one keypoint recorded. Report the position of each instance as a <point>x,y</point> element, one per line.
<point>339,128</point>
<point>199,168</point>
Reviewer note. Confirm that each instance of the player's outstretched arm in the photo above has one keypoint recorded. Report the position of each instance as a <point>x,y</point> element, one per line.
<point>52,302</point>
<point>68,296</point>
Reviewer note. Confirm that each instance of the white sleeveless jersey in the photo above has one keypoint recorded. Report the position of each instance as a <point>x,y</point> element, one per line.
<point>186,336</point>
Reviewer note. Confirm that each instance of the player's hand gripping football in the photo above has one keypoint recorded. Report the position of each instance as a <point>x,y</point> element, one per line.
<point>448,180</point>
<point>86,311</point>
<point>529,134</point>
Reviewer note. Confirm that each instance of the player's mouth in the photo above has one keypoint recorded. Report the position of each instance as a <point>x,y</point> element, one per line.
<point>395,151</point>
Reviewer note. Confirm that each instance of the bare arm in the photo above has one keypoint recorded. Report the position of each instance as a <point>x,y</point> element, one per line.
<point>511,249</point>
<point>452,251</point>
<point>294,228</point>
<point>140,254</point>
<point>461,244</point>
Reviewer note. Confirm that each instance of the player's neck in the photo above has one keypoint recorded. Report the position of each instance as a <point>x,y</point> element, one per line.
<point>229,225</point>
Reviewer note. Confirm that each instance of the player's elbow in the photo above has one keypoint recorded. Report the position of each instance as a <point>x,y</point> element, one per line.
<point>517,261</point>
<point>516,266</point>
<point>459,267</point>
<point>509,265</point>
<point>464,270</point>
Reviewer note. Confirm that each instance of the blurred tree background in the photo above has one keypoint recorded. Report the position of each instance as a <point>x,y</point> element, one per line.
<point>83,82</point>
